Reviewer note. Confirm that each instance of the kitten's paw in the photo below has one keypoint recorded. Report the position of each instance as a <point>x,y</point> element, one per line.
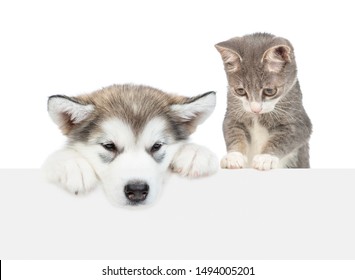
<point>194,161</point>
<point>234,160</point>
<point>68,169</point>
<point>265,162</point>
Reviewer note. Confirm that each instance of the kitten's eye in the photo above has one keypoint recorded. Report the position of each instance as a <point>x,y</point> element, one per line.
<point>109,147</point>
<point>240,91</point>
<point>156,147</point>
<point>269,91</point>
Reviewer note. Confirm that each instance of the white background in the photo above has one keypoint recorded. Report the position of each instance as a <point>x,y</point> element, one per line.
<point>73,47</point>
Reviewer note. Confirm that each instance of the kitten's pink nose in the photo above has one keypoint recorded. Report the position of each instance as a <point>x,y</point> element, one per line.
<point>256,107</point>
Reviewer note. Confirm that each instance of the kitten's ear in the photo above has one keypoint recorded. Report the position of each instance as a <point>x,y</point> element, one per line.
<point>192,111</point>
<point>275,58</point>
<point>66,112</point>
<point>231,58</point>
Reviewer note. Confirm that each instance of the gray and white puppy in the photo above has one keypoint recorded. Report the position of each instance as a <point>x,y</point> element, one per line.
<point>265,125</point>
<point>127,138</point>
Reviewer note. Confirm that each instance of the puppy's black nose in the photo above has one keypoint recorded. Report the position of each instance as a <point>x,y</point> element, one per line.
<point>136,191</point>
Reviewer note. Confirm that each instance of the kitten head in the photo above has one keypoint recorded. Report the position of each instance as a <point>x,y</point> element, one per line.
<point>260,68</point>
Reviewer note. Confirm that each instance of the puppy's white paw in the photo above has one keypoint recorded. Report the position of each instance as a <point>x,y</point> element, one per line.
<point>234,160</point>
<point>194,161</point>
<point>265,162</point>
<point>71,171</point>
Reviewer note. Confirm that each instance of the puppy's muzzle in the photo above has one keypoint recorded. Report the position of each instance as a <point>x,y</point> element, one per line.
<point>136,191</point>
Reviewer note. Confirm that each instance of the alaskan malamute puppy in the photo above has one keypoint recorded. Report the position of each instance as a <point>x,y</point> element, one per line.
<point>127,138</point>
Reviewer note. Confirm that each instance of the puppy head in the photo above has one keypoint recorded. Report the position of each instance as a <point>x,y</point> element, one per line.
<point>129,135</point>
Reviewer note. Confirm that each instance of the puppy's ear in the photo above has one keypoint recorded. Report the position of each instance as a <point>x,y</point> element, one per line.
<point>190,112</point>
<point>67,112</point>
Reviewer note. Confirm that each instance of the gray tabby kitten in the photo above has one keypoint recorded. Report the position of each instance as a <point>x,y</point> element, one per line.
<point>265,125</point>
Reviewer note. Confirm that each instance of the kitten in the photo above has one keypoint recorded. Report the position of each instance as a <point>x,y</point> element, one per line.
<point>265,125</point>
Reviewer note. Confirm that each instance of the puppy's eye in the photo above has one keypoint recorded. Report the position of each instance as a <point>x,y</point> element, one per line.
<point>156,147</point>
<point>240,91</point>
<point>109,147</point>
<point>269,91</point>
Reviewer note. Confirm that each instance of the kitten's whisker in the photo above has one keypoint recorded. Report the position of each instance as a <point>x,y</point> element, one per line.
<point>277,116</point>
<point>288,108</point>
<point>289,102</point>
<point>288,114</point>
